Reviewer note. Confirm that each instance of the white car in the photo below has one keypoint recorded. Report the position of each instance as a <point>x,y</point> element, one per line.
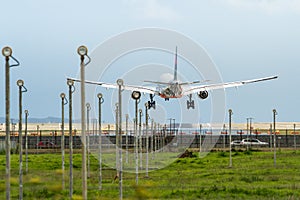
<point>236,143</point>
<point>254,142</point>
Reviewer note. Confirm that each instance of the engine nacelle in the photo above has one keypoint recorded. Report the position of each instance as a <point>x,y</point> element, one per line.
<point>203,94</point>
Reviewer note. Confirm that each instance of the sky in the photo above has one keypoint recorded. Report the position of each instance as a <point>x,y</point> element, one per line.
<point>244,38</point>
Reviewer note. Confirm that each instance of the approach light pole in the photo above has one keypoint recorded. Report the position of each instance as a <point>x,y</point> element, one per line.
<point>100,101</point>
<point>20,83</point>
<point>140,138</point>
<point>7,53</point>
<point>136,95</point>
<point>295,144</point>
<point>26,141</point>
<point>274,130</point>
<point>120,83</point>
<point>63,103</point>
<point>230,153</point>
<point>88,108</point>
<point>147,137</point>
<point>70,83</point>
<point>82,51</point>
<point>126,137</point>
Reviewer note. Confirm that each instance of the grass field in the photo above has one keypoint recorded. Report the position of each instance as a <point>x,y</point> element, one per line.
<point>253,176</point>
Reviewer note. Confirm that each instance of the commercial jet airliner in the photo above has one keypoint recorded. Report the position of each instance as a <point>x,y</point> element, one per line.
<point>176,88</point>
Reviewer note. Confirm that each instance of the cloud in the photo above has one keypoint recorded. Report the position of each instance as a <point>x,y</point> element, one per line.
<point>269,6</point>
<point>152,9</point>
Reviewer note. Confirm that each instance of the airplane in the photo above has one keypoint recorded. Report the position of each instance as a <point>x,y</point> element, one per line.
<point>176,88</point>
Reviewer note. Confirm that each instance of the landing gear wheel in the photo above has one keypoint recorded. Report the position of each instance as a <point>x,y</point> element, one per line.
<point>190,104</point>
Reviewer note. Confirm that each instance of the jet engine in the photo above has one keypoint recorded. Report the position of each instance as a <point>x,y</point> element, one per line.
<point>203,94</point>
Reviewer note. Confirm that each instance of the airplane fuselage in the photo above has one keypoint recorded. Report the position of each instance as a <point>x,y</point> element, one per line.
<point>174,90</point>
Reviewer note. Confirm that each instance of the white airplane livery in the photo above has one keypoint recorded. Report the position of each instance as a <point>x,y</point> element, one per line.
<point>177,89</point>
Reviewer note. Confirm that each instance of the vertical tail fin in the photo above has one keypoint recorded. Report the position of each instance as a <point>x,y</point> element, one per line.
<point>175,70</point>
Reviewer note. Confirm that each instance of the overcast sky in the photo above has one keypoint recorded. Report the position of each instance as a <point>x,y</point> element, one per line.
<point>245,39</point>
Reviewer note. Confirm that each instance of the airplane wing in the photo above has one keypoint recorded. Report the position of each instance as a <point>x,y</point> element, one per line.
<point>142,89</point>
<point>196,89</point>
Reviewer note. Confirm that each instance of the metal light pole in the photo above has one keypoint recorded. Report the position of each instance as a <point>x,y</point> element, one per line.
<point>155,140</point>
<point>117,138</point>
<point>274,129</point>
<point>82,51</point>
<point>152,131</point>
<point>100,101</point>
<point>70,83</point>
<point>230,156</point>
<point>26,141</point>
<point>249,121</point>
<point>88,108</point>
<point>7,53</point>
<point>126,139</point>
<point>63,103</point>
<point>20,83</point>
<point>136,95</point>
<point>295,146</point>
<point>120,84</point>
<point>37,138</point>
<point>170,126</point>
<point>140,138</point>
<point>200,140</point>
<point>147,138</point>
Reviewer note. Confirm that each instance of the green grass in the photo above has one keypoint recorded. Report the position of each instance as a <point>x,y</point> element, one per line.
<point>253,176</point>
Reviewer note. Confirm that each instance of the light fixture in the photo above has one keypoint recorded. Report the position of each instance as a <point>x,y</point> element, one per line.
<point>136,95</point>
<point>120,82</point>
<point>82,50</point>
<point>6,51</point>
<point>70,82</point>
<point>99,95</point>
<point>20,83</point>
<point>26,112</point>
<point>62,95</point>
<point>88,105</point>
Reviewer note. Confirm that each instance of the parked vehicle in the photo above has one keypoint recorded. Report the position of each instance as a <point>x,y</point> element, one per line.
<point>236,143</point>
<point>46,144</point>
<point>253,142</point>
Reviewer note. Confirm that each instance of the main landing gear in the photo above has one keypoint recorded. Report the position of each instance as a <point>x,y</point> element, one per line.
<point>151,103</point>
<point>190,103</point>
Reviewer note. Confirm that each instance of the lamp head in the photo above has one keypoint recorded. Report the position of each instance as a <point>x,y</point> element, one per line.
<point>26,112</point>
<point>136,95</point>
<point>70,82</point>
<point>20,83</point>
<point>88,105</point>
<point>120,82</point>
<point>99,95</point>
<point>62,95</point>
<point>82,50</point>
<point>6,51</point>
